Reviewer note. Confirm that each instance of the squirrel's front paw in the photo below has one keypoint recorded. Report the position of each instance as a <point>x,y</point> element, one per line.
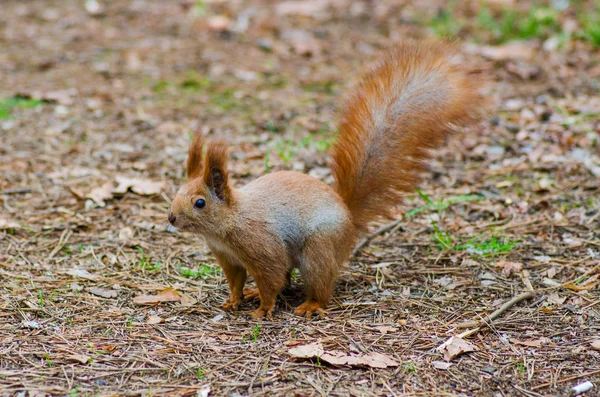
<point>262,312</point>
<point>308,308</point>
<point>231,304</point>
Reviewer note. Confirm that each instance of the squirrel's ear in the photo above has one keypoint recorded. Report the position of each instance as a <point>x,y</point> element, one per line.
<point>215,170</point>
<point>194,161</point>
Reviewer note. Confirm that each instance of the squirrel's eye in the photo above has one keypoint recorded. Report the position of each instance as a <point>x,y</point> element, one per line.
<point>200,203</point>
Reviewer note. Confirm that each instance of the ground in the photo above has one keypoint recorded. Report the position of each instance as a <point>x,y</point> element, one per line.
<point>97,104</point>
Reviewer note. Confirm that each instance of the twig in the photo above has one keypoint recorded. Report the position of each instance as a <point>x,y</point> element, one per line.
<point>566,379</point>
<point>497,313</point>
<point>376,233</point>
<point>16,191</point>
<point>64,237</point>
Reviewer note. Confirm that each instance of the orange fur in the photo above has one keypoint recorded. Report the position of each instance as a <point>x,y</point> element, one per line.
<point>403,108</point>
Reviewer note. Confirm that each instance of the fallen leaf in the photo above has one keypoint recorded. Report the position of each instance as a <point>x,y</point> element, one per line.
<point>509,267</point>
<point>454,347</point>
<point>105,293</point>
<point>204,391</point>
<point>528,343</point>
<point>335,357</point>
<point>301,7</point>
<point>82,273</point>
<point>514,50</point>
<point>143,187</point>
<point>441,365</point>
<point>307,351</point>
<point>31,324</point>
<point>166,295</point>
<point>6,224</point>
<point>384,329</point>
<point>126,233</point>
<point>152,319</point>
<point>555,299</point>
<point>595,344</point>
<point>80,358</point>
<point>302,41</point>
<point>101,193</point>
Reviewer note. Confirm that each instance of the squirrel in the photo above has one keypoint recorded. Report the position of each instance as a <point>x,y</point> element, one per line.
<point>406,105</point>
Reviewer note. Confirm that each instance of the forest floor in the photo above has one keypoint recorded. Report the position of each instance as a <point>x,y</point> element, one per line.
<point>97,104</point>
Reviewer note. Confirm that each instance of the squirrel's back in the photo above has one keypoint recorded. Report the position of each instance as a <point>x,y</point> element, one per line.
<point>401,109</point>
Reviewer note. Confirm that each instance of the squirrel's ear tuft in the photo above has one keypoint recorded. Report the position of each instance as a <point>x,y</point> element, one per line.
<point>194,161</point>
<point>215,170</point>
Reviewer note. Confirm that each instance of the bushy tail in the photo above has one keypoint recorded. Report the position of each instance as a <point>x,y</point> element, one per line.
<point>404,107</point>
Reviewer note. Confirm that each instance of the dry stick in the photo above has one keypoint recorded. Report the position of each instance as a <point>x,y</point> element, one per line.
<point>566,379</point>
<point>64,237</point>
<point>376,233</point>
<point>497,313</point>
<point>525,295</point>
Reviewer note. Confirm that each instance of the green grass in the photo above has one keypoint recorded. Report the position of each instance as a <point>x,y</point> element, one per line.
<point>409,367</point>
<point>9,104</point>
<point>203,271</point>
<point>146,264</point>
<point>590,26</point>
<point>476,246</point>
<point>445,23</point>
<point>539,22</point>
<point>441,205</point>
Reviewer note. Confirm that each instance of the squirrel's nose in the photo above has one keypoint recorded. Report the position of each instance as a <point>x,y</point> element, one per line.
<point>172,217</point>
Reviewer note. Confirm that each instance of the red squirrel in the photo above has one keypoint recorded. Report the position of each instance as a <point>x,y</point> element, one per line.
<point>401,109</point>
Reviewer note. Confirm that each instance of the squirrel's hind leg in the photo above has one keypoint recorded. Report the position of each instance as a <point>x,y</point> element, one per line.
<point>319,269</point>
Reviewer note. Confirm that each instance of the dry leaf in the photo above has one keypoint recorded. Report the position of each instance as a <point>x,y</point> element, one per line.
<point>80,358</point>
<point>82,273</point>
<point>143,187</point>
<point>595,344</point>
<point>513,50</point>
<point>6,224</point>
<point>555,299</point>
<point>441,365</point>
<point>101,193</point>
<point>385,329</point>
<point>105,293</point>
<point>301,7</point>
<point>152,319</point>
<point>166,295</point>
<point>374,360</point>
<point>307,351</point>
<point>509,267</point>
<point>126,233</point>
<point>454,347</point>
<point>528,343</point>
<point>334,357</point>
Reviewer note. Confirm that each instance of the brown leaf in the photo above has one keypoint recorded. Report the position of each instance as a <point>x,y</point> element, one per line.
<point>528,343</point>
<point>384,329</point>
<point>509,267</point>
<point>513,50</point>
<point>441,365</point>
<point>105,293</point>
<point>101,193</point>
<point>307,351</point>
<point>556,299</point>
<point>455,346</point>
<point>595,344</point>
<point>152,319</point>
<point>143,187</point>
<point>335,357</point>
<point>166,295</point>
<point>80,358</point>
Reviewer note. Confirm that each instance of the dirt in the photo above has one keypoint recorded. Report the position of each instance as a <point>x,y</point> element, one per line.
<point>105,96</point>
